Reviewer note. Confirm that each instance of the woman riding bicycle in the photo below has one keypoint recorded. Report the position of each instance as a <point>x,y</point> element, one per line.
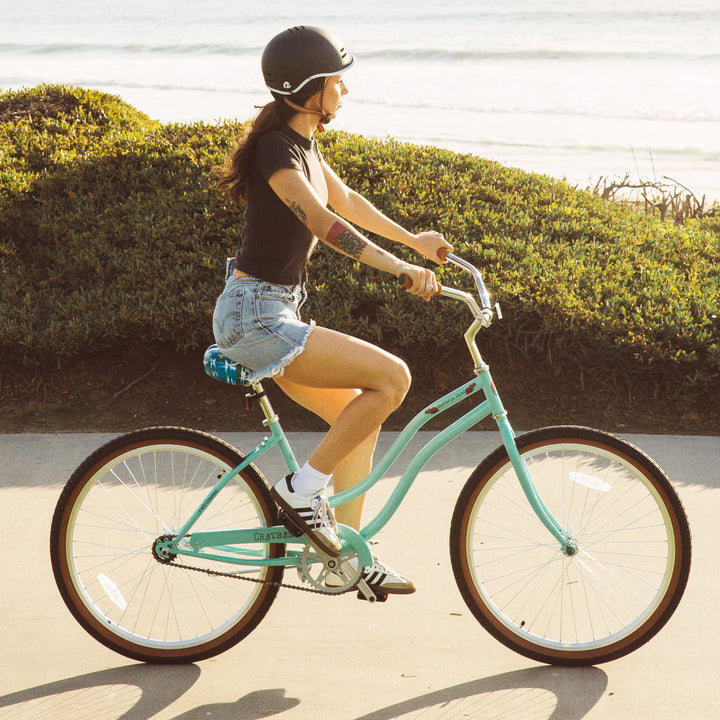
<point>278,170</point>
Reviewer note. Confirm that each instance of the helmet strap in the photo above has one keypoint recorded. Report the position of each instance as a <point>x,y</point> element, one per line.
<point>325,117</point>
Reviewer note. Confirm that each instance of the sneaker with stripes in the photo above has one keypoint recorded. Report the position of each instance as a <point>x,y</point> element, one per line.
<point>311,514</point>
<point>378,576</point>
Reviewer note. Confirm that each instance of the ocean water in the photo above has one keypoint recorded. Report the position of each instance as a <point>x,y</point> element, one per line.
<point>579,89</point>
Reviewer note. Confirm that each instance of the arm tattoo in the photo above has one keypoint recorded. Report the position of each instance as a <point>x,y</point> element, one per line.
<point>346,241</point>
<point>298,211</point>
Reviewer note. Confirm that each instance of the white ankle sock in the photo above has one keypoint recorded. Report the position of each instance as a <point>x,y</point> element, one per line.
<point>308,481</point>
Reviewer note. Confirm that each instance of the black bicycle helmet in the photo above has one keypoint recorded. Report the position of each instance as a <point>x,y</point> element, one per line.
<point>300,54</point>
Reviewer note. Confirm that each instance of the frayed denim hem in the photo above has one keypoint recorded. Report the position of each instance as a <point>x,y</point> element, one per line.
<point>278,369</point>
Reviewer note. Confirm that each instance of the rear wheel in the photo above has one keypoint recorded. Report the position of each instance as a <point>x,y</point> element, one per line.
<point>137,488</point>
<point>633,541</point>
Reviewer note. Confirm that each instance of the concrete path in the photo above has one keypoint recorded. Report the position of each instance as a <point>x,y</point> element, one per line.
<point>419,656</point>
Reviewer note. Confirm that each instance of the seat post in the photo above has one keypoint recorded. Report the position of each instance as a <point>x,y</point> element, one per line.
<point>272,422</point>
<point>258,394</point>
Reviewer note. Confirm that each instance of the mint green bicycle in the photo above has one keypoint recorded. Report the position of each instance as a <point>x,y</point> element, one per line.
<point>569,545</point>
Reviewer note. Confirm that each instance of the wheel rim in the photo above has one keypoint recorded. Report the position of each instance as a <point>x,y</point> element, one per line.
<point>608,591</point>
<point>124,506</point>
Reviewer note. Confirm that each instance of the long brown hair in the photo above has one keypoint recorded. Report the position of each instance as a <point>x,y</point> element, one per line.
<point>233,176</point>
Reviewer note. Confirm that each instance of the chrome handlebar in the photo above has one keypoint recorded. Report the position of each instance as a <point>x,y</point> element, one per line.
<point>484,312</point>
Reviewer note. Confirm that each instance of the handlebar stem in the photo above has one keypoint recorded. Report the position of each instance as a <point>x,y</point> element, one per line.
<point>483,315</point>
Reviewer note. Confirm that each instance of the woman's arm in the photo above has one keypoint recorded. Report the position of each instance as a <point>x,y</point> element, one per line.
<point>293,188</point>
<point>354,207</point>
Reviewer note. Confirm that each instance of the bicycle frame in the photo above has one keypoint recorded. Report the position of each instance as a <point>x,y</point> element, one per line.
<point>195,544</point>
<point>123,518</point>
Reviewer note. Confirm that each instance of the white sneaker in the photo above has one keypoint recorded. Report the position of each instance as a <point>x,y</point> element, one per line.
<point>378,576</point>
<point>311,514</point>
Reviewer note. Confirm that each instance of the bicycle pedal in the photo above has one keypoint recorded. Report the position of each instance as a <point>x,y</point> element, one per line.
<point>372,595</point>
<point>289,524</point>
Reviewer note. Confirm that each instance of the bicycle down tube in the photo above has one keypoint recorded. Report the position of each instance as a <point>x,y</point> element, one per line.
<point>491,406</point>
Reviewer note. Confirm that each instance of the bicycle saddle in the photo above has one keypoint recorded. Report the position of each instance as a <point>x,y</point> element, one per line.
<point>221,368</point>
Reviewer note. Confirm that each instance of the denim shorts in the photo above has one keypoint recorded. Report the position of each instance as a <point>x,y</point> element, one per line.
<point>258,325</point>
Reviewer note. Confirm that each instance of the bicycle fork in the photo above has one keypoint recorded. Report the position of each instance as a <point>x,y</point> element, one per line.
<point>568,545</point>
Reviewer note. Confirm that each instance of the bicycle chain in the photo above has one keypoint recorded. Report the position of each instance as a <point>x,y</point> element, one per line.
<point>234,576</point>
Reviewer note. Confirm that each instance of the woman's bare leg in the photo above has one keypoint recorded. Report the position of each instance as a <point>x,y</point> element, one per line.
<point>328,404</point>
<point>354,386</point>
<point>335,361</point>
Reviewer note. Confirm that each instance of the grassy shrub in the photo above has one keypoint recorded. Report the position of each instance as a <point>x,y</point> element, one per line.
<point>587,284</point>
<point>112,234</point>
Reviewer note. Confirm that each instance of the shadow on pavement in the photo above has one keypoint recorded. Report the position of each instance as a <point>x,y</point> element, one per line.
<point>134,692</point>
<point>542,692</point>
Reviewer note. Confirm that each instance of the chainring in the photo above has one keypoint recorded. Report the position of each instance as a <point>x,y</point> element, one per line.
<point>315,568</point>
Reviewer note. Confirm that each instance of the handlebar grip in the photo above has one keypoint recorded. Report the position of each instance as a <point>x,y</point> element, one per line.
<point>406,282</point>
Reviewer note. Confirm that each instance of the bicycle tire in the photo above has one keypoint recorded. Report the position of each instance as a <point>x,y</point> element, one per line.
<point>125,495</point>
<point>634,548</point>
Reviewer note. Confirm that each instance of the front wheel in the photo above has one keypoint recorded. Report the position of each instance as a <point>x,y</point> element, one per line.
<point>633,542</point>
<point>126,495</point>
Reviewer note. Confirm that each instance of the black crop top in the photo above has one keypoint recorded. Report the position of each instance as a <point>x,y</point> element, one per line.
<point>276,246</point>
